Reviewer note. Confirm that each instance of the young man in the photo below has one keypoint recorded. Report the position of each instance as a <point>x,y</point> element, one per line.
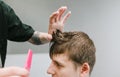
<point>72,55</point>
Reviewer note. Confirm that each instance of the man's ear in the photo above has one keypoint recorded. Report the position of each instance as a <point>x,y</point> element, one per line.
<point>85,70</point>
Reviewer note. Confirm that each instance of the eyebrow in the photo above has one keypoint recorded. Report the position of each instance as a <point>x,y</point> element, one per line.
<point>58,62</point>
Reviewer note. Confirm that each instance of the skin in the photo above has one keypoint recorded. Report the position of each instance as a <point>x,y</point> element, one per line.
<point>13,71</point>
<point>56,21</point>
<point>61,66</point>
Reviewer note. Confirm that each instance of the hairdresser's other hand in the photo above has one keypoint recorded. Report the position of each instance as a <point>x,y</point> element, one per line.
<point>13,72</point>
<point>57,20</point>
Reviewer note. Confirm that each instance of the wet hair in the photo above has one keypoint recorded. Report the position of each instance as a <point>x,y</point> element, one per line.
<point>77,45</point>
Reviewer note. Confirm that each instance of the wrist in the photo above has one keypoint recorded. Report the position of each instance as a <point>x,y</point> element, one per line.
<point>40,38</point>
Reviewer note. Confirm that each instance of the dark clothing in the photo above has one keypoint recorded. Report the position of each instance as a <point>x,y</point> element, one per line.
<point>11,28</point>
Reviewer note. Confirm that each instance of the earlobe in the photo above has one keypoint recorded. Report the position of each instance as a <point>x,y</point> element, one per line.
<point>85,69</point>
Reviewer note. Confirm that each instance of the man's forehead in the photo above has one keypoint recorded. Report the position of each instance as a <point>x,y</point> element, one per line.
<point>60,58</point>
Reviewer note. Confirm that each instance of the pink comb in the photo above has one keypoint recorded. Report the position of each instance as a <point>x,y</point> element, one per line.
<point>28,60</point>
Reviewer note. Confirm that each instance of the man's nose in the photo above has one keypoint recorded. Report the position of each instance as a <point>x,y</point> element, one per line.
<point>50,69</point>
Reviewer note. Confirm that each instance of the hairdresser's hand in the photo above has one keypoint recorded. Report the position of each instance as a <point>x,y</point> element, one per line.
<point>13,72</point>
<point>57,20</point>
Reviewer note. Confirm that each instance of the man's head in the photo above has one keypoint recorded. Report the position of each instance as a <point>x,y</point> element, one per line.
<point>72,54</point>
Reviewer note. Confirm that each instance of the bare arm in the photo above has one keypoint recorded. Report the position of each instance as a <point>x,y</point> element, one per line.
<point>40,38</point>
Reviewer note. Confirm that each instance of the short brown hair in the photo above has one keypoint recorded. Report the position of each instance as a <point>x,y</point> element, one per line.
<point>78,46</point>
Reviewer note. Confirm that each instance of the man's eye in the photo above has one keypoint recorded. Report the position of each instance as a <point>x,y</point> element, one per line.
<point>58,64</point>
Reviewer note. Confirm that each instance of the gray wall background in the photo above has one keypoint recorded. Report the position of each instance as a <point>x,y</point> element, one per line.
<point>99,18</point>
